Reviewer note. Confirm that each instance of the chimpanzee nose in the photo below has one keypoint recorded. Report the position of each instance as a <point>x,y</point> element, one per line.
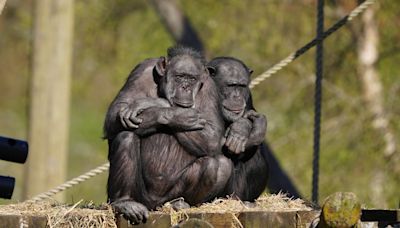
<point>185,86</point>
<point>236,94</point>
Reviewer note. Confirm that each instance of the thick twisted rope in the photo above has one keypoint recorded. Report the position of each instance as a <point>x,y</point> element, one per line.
<point>283,63</point>
<point>319,66</point>
<point>277,67</point>
<point>70,183</point>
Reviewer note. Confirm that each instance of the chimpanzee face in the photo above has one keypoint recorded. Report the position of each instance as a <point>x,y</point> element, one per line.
<point>182,80</point>
<point>232,79</point>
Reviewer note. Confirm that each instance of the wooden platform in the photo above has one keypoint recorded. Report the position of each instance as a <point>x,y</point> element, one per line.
<point>254,219</point>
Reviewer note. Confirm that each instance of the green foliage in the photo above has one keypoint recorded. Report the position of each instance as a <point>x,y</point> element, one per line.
<point>111,37</point>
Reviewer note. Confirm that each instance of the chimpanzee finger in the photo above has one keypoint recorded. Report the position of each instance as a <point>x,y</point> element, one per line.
<point>130,124</point>
<point>237,145</point>
<point>135,119</point>
<point>223,140</point>
<point>130,215</point>
<point>128,120</point>
<point>250,113</point>
<point>243,146</point>
<point>202,121</point>
<point>123,123</point>
<point>228,142</point>
<point>240,145</point>
<point>233,143</point>
<point>227,132</point>
<point>197,127</point>
<point>145,216</point>
<point>138,215</point>
<point>121,117</point>
<point>144,213</point>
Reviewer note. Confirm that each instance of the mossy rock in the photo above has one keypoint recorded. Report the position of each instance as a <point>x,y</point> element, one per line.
<point>341,209</point>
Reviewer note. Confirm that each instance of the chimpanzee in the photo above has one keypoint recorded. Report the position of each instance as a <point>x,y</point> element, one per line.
<point>245,129</point>
<point>163,130</point>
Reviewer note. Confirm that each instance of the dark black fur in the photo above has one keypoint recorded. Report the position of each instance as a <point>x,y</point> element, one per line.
<point>246,129</point>
<point>163,130</point>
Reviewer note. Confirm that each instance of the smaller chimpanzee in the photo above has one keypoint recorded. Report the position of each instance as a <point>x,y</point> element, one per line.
<point>246,129</point>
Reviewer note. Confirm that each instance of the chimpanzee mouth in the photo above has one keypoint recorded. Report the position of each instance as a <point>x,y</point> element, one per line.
<point>235,111</point>
<point>183,104</point>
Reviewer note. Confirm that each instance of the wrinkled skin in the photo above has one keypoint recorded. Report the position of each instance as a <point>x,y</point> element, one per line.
<point>246,129</point>
<point>163,131</point>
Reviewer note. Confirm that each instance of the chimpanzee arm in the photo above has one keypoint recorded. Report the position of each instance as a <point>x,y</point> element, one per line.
<point>237,135</point>
<point>259,128</point>
<point>246,132</point>
<point>128,114</point>
<point>140,84</point>
<point>206,141</point>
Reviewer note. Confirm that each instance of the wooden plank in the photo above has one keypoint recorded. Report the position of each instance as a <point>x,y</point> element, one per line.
<point>268,219</point>
<point>305,218</point>
<point>194,222</point>
<point>156,220</point>
<point>22,221</point>
<point>216,219</point>
<point>254,219</point>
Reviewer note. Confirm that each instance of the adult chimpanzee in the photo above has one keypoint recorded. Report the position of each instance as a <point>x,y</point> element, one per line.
<point>245,129</point>
<point>176,151</point>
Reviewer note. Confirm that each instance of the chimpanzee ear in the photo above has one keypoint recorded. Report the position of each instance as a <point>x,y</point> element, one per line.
<point>161,66</point>
<point>250,71</point>
<point>211,70</point>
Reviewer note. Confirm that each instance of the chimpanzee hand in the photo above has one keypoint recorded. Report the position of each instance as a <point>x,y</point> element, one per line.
<point>183,118</point>
<point>128,114</point>
<point>256,118</point>
<point>259,127</point>
<point>237,135</point>
<point>132,211</point>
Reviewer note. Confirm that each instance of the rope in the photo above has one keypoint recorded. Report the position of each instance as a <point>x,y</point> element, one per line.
<point>70,183</point>
<point>319,66</point>
<point>256,81</point>
<point>294,55</point>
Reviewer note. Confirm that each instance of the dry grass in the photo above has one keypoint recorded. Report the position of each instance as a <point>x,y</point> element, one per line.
<point>88,215</point>
<point>279,202</point>
<point>63,215</point>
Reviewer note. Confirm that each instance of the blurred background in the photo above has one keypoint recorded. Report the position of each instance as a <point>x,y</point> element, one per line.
<point>360,111</point>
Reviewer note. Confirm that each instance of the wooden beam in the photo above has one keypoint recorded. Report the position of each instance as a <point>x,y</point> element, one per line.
<point>49,96</point>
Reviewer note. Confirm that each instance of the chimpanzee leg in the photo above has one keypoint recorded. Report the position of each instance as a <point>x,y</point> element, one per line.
<point>125,184</point>
<point>206,178</point>
<point>249,177</point>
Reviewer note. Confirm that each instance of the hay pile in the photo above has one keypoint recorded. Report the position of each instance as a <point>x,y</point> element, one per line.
<point>266,202</point>
<point>279,202</point>
<point>89,215</point>
<point>65,216</point>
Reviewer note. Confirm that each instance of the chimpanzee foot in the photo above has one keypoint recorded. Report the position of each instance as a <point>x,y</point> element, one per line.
<point>180,204</point>
<point>132,211</point>
<point>250,204</point>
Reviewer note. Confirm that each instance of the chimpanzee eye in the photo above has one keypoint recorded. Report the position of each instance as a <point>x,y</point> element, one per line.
<point>192,79</point>
<point>178,77</point>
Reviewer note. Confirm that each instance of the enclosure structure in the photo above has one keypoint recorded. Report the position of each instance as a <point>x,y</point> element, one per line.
<point>339,210</point>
